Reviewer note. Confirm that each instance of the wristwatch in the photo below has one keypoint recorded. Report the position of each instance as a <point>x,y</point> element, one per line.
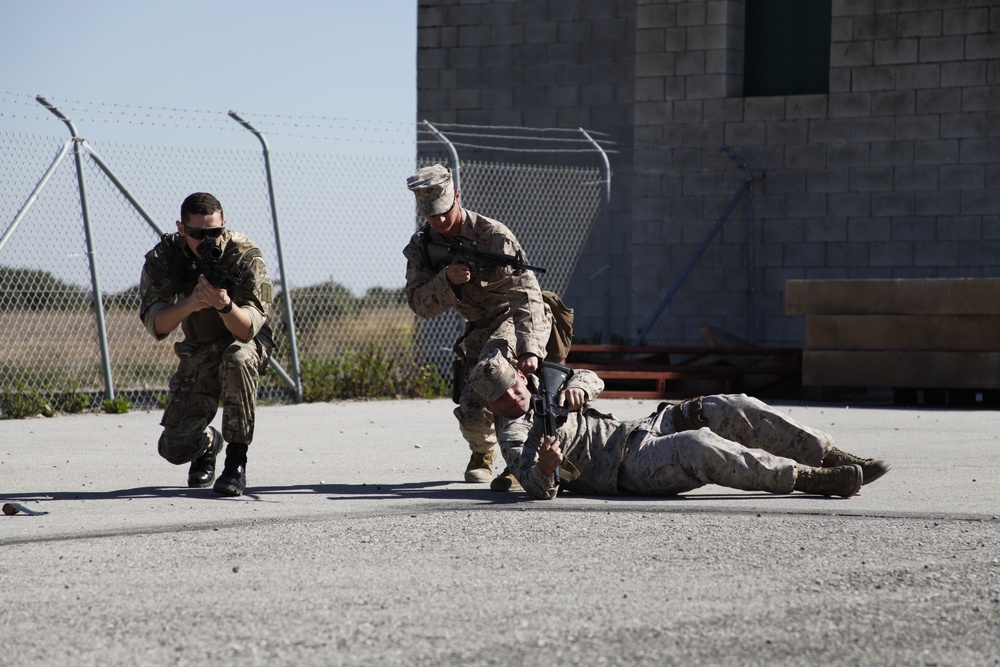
<point>228,308</point>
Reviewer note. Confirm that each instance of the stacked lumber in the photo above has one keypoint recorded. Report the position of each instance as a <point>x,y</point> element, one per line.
<point>934,333</point>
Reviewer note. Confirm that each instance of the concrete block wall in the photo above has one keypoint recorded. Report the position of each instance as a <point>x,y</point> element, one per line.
<point>891,174</point>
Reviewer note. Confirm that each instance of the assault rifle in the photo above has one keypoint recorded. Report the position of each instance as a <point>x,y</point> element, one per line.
<point>552,378</point>
<point>211,267</point>
<point>464,250</point>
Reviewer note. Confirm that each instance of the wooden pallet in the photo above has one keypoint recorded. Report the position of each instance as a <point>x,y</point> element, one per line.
<point>928,334</point>
<point>676,372</point>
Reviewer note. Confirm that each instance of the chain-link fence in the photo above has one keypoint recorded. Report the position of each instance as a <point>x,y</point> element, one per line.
<point>343,222</point>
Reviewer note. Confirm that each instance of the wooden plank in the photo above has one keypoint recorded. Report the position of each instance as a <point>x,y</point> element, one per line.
<point>968,333</point>
<point>901,368</point>
<point>904,296</point>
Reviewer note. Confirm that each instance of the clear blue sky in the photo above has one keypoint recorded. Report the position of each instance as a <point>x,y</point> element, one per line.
<point>121,66</point>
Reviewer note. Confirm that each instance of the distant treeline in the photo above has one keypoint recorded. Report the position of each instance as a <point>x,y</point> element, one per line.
<point>32,289</point>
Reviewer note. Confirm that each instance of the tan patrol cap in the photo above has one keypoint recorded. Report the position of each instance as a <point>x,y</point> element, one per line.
<point>492,377</point>
<point>434,189</point>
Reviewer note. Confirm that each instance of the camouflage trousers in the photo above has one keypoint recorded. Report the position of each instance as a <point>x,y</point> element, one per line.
<point>226,372</point>
<point>743,444</point>
<point>475,421</point>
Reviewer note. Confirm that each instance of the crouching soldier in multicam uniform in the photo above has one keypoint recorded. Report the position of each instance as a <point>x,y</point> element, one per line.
<point>226,346</point>
<point>730,440</point>
<point>503,307</point>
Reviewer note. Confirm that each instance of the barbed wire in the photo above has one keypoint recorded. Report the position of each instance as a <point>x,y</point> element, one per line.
<point>307,127</point>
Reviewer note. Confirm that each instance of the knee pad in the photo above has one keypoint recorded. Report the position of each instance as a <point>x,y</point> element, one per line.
<point>183,450</point>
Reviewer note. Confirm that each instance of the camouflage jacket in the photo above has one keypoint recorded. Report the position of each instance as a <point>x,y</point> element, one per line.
<point>492,295</point>
<point>171,271</point>
<point>593,446</point>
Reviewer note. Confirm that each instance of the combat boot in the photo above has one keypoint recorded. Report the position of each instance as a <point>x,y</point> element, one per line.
<point>233,479</point>
<point>872,469</point>
<point>843,481</point>
<point>202,470</point>
<point>480,468</point>
<point>505,481</point>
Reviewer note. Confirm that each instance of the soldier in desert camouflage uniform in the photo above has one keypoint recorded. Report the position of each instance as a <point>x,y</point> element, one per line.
<point>503,307</point>
<point>731,440</point>
<point>226,345</point>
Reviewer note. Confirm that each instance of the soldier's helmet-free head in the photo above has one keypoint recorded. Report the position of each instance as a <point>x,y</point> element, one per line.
<point>492,377</point>
<point>433,188</point>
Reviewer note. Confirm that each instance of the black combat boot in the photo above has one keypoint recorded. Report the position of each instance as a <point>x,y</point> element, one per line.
<point>202,470</point>
<point>872,469</point>
<point>233,478</point>
<point>843,481</point>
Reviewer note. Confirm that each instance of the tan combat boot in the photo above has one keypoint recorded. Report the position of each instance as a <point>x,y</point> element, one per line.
<point>505,481</point>
<point>872,469</point>
<point>844,481</point>
<point>480,468</point>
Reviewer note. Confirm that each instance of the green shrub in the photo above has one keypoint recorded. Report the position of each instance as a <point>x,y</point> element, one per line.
<point>22,404</point>
<point>116,406</point>
<point>368,373</point>
<point>71,401</point>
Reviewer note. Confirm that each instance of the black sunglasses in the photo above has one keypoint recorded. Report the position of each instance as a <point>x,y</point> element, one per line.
<point>198,233</point>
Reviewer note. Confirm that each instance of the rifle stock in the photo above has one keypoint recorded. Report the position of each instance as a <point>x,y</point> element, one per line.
<point>552,378</point>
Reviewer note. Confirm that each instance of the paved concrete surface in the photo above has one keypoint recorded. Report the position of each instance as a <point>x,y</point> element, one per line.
<point>356,545</point>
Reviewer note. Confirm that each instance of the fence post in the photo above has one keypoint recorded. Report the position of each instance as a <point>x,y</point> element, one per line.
<point>286,288</point>
<point>33,197</point>
<point>456,170</point>
<point>109,387</point>
<point>606,167</point>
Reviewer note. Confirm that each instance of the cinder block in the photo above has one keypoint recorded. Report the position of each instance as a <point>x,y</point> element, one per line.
<point>919,178</point>
<point>895,51</point>
<point>938,202</point>
<point>827,180</point>
<point>873,78</point>
<point>892,254</point>
<point>939,49</point>
<point>852,54</point>
<point>871,179</point>
<point>966,21</point>
<point>850,105</point>
<point>919,24</point>
<point>886,204</point>
<point>872,129</point>
<point>893,103</point>
<point>918,127</point>
<point>963,74</point>
<point>918,77</point>
<point>963,125</point>
<point>936,151</point>
<point>891,153</point>
<point>805,156</point>
<point>981,98</point>
<point>940,100</point>
<point>827,130</point>
<point>982,47</point>
<point>850,205</point>
<point>936,254</point>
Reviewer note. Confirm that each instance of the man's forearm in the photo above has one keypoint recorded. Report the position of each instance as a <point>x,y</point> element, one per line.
<point>170,317</point>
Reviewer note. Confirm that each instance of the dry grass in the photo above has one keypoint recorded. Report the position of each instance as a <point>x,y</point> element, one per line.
<point>59,350</point>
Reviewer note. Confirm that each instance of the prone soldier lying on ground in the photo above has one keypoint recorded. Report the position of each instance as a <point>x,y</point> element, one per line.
<point>731,440</point>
